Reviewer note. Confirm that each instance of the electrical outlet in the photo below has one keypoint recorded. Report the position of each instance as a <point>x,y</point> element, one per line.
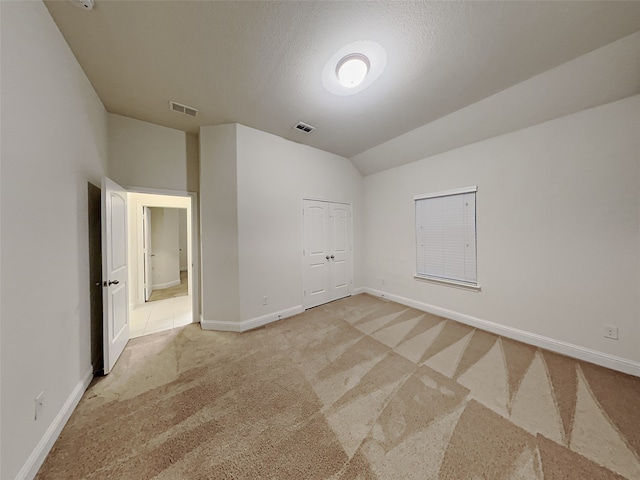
<point>611,331</point>
<point>39,404</point>
<point>265,300</point>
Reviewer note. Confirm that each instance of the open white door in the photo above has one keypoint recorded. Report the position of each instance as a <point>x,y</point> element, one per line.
<point>148,256</point>
<point>115,272</point>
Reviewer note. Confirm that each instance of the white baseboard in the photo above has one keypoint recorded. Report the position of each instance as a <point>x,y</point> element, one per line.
<point>358,291</point>
<point>160,286</point>
<point>582,353</point>
<point>226,326</point>
<point>37,457</point>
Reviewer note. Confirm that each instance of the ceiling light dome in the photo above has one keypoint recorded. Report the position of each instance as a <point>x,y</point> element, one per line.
<point>352,69</point>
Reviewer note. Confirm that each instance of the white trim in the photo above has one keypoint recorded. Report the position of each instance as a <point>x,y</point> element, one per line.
<point>446,281</point>
<point>575,351</point>
<point>160,286</point>
<point>37,457</point>
<point>226,326</point>
<point>457,191</point>
<point>159,191</point>
<point>358,291</point>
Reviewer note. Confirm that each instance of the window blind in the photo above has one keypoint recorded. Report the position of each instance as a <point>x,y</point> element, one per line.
<point>446,236</point>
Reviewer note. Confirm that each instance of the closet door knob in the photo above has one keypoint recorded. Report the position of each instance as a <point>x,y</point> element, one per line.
<point>332,257</point>
<point>114,282</point>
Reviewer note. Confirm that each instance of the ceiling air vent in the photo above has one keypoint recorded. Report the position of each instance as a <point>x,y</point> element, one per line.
<point>178,107</point>
<point>304,127</point>
<point>84,4</point>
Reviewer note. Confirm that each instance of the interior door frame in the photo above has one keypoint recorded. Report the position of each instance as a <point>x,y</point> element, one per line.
<point>194,280</point>
<point>302,261</point>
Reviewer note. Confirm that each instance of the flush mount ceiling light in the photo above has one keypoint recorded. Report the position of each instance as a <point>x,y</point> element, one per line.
<point>348,72</point>
<point>352,69</point>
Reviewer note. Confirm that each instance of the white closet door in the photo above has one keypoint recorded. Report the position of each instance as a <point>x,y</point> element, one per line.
<point>340,250</point>
<point>326,252</point>
<point>315,218</point>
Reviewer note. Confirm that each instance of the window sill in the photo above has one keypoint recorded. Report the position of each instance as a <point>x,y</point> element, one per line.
<point>450,283</point>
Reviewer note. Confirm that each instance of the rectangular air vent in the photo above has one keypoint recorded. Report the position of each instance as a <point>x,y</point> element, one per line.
<point>178,107</point>
<point>304,127</point>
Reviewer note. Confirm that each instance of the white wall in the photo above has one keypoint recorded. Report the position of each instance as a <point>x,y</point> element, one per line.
<point>150,156</point>
<point>193,162</point>
<point>558,222</point>
<point>54,140</point>
<point>142,154</point>
<point>165,245</point>
<point>219,223</point>
<point>274,175</point>
<point>135,202</point>
<point>252,186</point>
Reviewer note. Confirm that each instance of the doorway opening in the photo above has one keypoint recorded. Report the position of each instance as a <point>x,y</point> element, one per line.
<point>165,249</point>
<point>94,197</point>
<point>161,258</point>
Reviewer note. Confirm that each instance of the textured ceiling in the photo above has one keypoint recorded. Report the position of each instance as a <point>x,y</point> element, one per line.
<point>260,63</point>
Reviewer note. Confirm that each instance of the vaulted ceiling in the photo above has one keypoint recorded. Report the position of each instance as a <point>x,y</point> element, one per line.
<point>260,63</point>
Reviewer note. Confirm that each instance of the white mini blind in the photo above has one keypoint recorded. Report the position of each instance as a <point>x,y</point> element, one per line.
<point>446,236</point>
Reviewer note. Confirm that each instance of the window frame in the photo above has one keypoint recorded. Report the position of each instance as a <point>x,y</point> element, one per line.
<point>473,286</point>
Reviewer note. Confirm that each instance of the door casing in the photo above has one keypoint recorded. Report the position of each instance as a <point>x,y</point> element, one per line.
<point>193,234</point>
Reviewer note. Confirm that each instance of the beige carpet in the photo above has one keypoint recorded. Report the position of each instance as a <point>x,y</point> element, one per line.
<point>176,291</point>
<point>356,389</point>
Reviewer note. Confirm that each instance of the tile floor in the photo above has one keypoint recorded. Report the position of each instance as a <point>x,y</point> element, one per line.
<point>153,317</point>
